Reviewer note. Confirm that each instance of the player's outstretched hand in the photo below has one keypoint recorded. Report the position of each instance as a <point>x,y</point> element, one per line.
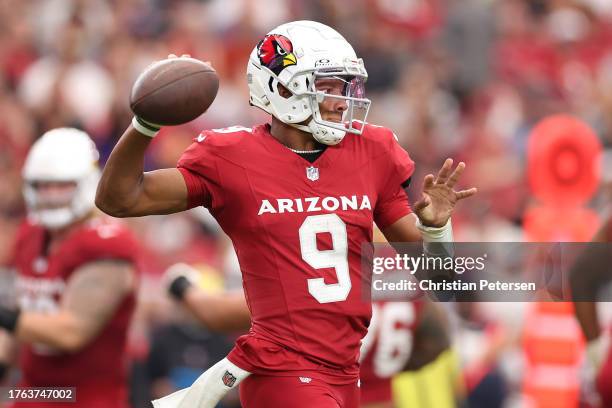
<point>439,198</point>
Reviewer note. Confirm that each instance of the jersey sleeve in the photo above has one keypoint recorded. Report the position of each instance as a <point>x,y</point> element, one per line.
<point>198,165</point>
<point>18,242</point>
<point>396,168</point>
<point>107,241</point>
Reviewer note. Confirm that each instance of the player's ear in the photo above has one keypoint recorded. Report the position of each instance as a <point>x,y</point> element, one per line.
<point>282,91</point>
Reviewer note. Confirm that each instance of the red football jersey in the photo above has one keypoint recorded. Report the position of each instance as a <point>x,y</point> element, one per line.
<point>387,347</point>
<point>297,228</point>
<point>98,371</point>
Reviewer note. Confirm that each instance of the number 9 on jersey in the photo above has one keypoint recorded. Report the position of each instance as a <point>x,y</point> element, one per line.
<point>336,258</point>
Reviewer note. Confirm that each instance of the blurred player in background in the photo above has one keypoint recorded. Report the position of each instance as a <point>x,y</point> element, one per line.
<point>402,336</point>
<point>298,199</point>
<point>76,278</point>
<point>590,274</point>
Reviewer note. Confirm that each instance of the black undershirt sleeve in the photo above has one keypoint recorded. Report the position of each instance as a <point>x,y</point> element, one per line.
<point>406,183</point>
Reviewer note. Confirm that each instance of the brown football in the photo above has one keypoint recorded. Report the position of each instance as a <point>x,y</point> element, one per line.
<point>174,91</point>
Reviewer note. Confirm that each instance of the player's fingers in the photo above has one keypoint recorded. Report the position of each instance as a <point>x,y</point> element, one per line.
<point>185,55</point>
<point>466,193</point>
<point>428,181</point>
<point>422,203</point>
<point>170,56</point>
<point>444,171</point>
<point>452,180</point>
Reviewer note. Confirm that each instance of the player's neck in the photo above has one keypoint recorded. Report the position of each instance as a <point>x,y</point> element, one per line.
<point>291,137</point>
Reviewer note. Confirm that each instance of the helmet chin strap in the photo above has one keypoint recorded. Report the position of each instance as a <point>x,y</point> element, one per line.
<point>321,133</point>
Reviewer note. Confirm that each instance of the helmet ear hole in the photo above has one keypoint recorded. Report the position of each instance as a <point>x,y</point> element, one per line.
<point>282,91</point>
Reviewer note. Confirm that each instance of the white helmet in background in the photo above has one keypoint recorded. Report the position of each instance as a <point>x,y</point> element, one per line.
<point>61,155</point>
<point>294,55</point>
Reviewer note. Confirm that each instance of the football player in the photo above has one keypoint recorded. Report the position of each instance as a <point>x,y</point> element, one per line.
<point>402,336</point>
<point>298,197</point>
<point>76,278</point>
<point>590,273</point>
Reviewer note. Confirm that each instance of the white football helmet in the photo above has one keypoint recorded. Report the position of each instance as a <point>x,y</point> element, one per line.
<point>295,55</point>
<point>61,155</point>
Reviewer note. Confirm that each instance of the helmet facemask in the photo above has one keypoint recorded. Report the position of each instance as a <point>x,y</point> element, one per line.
<point>59,209</point>
<point>332,88</point>
<point>319,91</point>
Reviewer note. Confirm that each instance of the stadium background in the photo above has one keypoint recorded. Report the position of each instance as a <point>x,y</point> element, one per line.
<point>466,79</point>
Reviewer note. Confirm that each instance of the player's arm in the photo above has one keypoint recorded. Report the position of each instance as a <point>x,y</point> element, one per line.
<point>93,294</point>
<point>403,230</point>
<point>227,312</point>
<point>7,353</point>
<point>589,273</point>
<point>125,190</point>
<point>431,337</point>
<point>431,220</point>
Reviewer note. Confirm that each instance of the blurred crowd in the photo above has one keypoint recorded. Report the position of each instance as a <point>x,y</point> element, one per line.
<point>466,79</point>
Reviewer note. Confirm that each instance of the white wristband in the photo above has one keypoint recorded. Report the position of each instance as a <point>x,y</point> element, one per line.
<point>436,234</point>
<point>439,235</point>
<point>144,127</point>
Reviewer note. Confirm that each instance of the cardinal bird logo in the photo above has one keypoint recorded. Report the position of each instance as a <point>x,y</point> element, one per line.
<point>275,52</point>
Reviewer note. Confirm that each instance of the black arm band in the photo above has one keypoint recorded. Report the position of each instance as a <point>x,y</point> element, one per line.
<point>179,286</point>
<point>3,370</point>
<point>9,318</point>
